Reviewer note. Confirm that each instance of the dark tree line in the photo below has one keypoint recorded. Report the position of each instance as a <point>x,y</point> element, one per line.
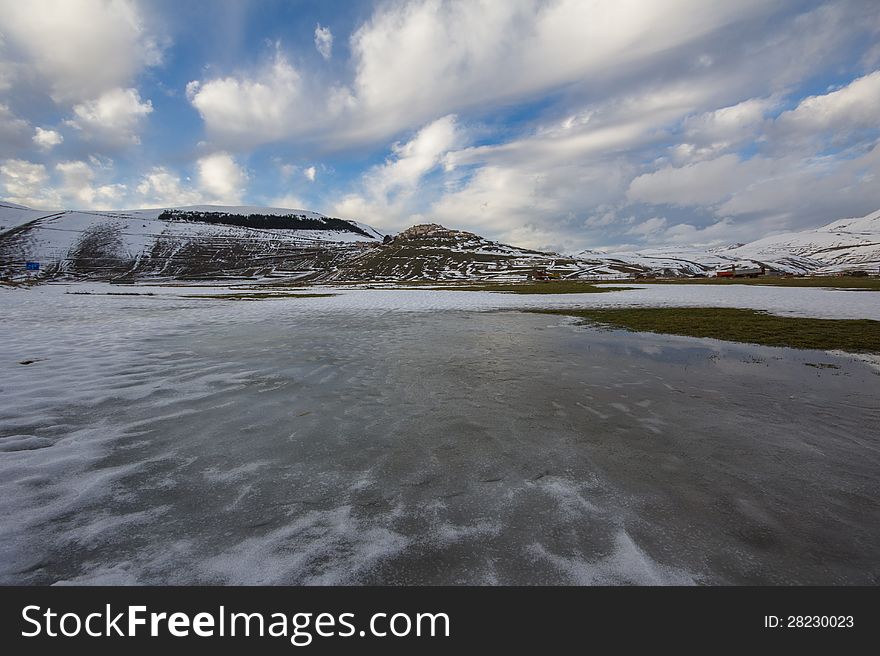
<point>263,221</point>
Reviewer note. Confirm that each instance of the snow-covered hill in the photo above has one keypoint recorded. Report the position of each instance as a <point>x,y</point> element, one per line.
<point>843,245</point>
<point>206,241</point>
<point>691,261</point>
<point>432,252</point>
<point>201,240</point>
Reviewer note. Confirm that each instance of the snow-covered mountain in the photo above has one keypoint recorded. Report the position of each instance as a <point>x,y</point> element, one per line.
<point>206,241</point>
<point>843,245</point>
<point>200,240</point>
<point>432,252</point>
<point>695,261</point>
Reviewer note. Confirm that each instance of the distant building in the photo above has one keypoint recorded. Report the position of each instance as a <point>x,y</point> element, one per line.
<point>431,230</point>
<point>741,271</point>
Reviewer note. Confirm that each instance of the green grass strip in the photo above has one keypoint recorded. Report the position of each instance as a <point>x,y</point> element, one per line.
<point>740,325</point>
<point>837,282</point>
<point>254,296</point>
<point>548,287</point>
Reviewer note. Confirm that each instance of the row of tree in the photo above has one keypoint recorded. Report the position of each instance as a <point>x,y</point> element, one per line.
<point>263,221</point>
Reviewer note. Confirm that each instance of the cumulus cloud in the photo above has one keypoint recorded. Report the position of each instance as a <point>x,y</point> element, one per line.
<point>701,183</point>
<point>648,227</point>
<point>413,159</point>
<point>251,110</point>
<point>479,56</point>
<point>46,139</point>
<point>792,179</point>
<point>80,48</point>
<point>809,191</point>
<point>23,182</point>
<point>78,190</point>
<point>541,189</point>
<point>7,72</point>
<point>386,189</point>
<point>475,53</point>
<point>220,178</point>
<point>834,117</point>
<point>93,184</point>
<point>324,41</point>
<point>310,173</point>
<point>113,118</point>
<point>288,201</point>
<point>162,187</point>
<point>721,130</point>
<point>13,130</point>
<point>72,184</point>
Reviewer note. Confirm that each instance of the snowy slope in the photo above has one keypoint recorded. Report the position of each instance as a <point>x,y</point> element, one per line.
<point>198,241</point>
<point>12,215</point>
<point>691,261</point>
<point>116,242</point>
<point>845,244</point>
<point>432,252</point>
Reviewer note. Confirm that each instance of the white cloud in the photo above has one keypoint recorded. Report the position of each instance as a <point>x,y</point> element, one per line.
<point>23,182</point>
<point>46,139</point>
<point>805,192</point>
<point>161,187</point>
<point>80,48</point>
<point>766,194</point>
<point>252,109</point>
<point>79,192</point>
<point>648,227</point>
<point>387,189</point>
<point>475,54</point>
<point>13,130</point>
<point>834,116</point>
<point>604,216</point>
<point>503,201</point>
<point>77,175</point>
<point>324,41</point>
<point>715,132</point>
<point>539,190</point>
<point>8,72</point>
<point>479,52</point>
<point>75,184</point>
<point>791,181</point>
<point>640,104</point>
<point>418,156</point>
<point>541,186</point>
<point>481,55</point>
<point>113,118</point>
<point>288,201</point>
<point>80,184</point>
<point>220,178</point>
<point>702,183</point>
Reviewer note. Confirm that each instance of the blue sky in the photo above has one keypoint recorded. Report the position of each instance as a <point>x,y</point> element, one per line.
<point>547,123</point>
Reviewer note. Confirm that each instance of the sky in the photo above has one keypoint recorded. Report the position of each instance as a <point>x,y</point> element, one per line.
<point>556,124</point>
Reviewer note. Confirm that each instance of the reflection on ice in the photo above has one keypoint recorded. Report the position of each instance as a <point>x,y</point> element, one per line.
<point>212,445</point>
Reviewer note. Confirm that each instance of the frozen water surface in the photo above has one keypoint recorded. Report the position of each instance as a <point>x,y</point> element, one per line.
<point>171,440</point>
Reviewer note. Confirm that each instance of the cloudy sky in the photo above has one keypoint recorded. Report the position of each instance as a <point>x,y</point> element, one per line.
<point>561,124</point>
